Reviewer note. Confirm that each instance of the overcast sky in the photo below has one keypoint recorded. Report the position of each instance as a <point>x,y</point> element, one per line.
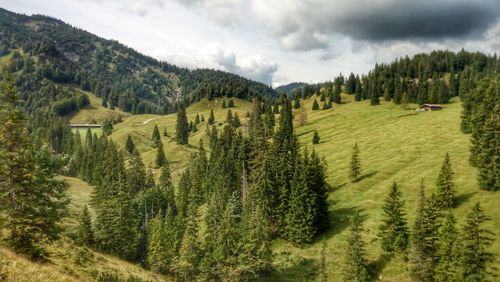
<point>281,41</point>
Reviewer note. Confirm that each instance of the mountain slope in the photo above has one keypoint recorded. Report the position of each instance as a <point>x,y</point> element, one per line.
<point>51,49</point>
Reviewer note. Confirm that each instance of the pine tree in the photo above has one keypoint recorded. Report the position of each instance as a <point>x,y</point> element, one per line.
<point>447,267</point>
<point>197,119</point>
<point>356,264</point>
<point>186,263</point>
<point>431,224</point>
<point>316,137</point>
<point>163,242</point>
<point>230,104</point>
<point>85,230</point>
<point>375,98</point>
<point>315,106</point>
<point>166,186</point>
<point>358,96</point>
<point>136,173</point>
<point>224,104</point>
<point>155,138</point>
<point>418,255</point>
<point>160,158</point>
<point>182,126</point>
<point>475,241</point>
<point>229,117</point>
<point>445,186</point>
<point>296,103</point>
<point>32,200</point>
<point>489,157</point>
<point>355,164</point>
<point>211,118</point>
<point>393,232</point>
<point>236,120</point>
<point>129,146</point>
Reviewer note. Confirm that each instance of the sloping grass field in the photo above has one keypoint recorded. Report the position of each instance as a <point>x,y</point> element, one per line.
<point>398,145</point>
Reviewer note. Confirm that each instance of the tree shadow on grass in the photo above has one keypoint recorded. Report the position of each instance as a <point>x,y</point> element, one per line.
<point>340,219</point>
<point>367,175</point>
<point>460,199</point>
<point>295,269</point>
<point>376,267</point>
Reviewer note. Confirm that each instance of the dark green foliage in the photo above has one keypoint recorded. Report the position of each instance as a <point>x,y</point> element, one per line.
<point>129,146</point>
<point>229,117</point>
<point>418,245</point>
<point>107,127</point>
<point>296,103</point>
<point>475,259</point>
<point>224,104</point>
<point>31,199</point>
<point>182,127</point>
<point>315,105</point>
<point>316,137</point>
<point>197,119</point>
<point>355,164</point>
<point>350,86</point>
<point>447,267</point>
<point>375,98</point>
<point>489,159</point>
<point>393,232</point>
<point>236,121</point>
<point>358,96</point>
<point>160,158</point>
<point>136,173</point>
<point>356,264</point>
<point>85,229</point>
<point>445,193</point>
<point>155,137</point>
<point>337,84</point>
<point>211,118</point>
<point>163,242</point>
<point>230,104</point>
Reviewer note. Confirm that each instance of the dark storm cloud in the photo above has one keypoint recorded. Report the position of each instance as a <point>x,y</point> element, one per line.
<point>419,20</point>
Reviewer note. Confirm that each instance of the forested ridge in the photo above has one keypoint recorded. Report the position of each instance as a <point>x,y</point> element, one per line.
<point>250,183</point>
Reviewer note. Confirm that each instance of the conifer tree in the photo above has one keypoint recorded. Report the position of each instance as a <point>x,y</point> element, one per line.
<point>296,103</point>
<point>229,117</point>
<point>85,229</point>
<point>489,157</point>
<point>447,267</point>
<point>137,173</point>
<point>322,97</point>
<point>211,118</point>
<point>431,224</point>
<point>182,126</point>
<point>375,99</point>
<point>32,200</point>
<point>163,242</point>
<point>316,137</point>
<point>393,232</point>
<point>355,164</point>
<point>230,104</point>
<point>129,146</point>
<point>202,118</point>
<point>160,158</point>
<point>418,255</point>
<point>155,138</point>
<point>224,104</point>
<point>315,105</point>
<point>166,186</point>
<point>186,263</point>
<point>475,259</point>
<point>445,186</point>
<point>197,119</point>
<point>236,120</point>
<point>358,96</point>
<point>356,264</point>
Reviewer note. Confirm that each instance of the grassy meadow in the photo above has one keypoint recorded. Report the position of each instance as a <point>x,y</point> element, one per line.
<point>398,145</point>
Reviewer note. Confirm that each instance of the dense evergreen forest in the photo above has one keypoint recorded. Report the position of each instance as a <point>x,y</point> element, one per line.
<point>248,186</point>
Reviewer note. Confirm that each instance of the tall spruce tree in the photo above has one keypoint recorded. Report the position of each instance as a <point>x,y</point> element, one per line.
<point>475,259</point>
<point>211,117</point>
<point>356,264</point>
<point>316,137</point>
<point>447,267</point>
<point>129,146</point>
<point>85,229</point>
<point>32,200</point>
<point>155,138</point>
<point>355,164</point>
<point>489,156</point>
<point>315,105</point>
<point>160,158</point>
<point>136,173</point>
<point>445,187</point>
<point>182,127</point>
<point>418,255</point>
<point>393,232</point>
<point>431,224</point>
